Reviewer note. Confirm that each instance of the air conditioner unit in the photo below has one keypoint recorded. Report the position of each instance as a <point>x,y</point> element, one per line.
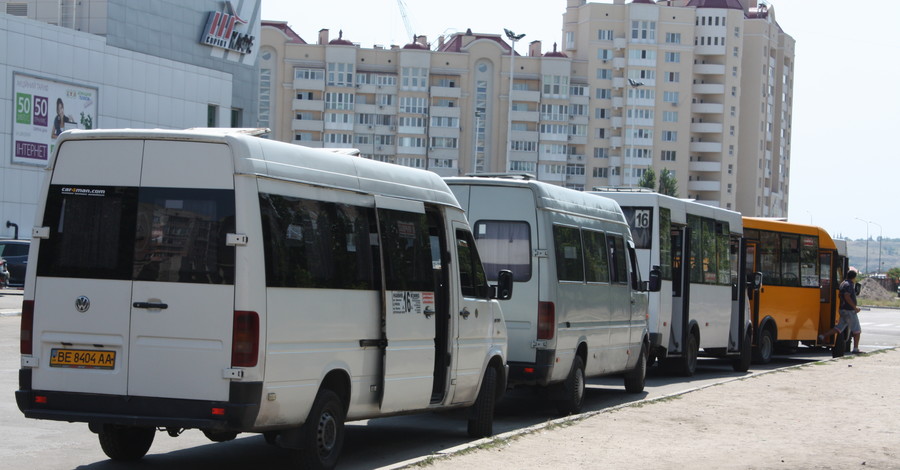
<point>370,126</point>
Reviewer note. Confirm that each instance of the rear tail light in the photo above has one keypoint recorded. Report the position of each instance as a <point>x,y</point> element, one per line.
<point>245,339</point>
<point>26,329</point>
<point>546,320</point>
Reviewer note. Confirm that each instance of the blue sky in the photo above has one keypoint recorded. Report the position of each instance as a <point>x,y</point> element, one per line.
<point>846,98</point>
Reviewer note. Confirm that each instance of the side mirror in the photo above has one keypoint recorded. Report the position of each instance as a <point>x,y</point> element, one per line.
<point>757,281</point>
<point>654,284</point>
<point>504,288</point>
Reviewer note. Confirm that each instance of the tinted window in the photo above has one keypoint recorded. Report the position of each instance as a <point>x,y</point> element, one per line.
<point>406,245</point>
<point>318,244</point>
<point>13,249</point>
<point>471,275</point>
<point>567,244</point>
<point>617,257</point>
<point>505,245</point>
<point>596,260</point>
<point>151,234</point>
<point>665,243</point>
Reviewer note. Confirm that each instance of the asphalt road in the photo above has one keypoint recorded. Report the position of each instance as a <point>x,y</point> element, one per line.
<point>387,442</point>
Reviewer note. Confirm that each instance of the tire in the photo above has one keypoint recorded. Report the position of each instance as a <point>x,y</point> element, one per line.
<point>323,433</point>
<point>636,378</point>
<point>762,353</point>
<point>271,437</point>
<point>742,362</point>
<point>481,414</point>
<point>125,443</point>
<point>573,389</point>
<point>686,364</point>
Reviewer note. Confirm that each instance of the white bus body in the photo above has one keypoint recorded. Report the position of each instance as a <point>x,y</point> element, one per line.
<point>701,307</point>
<point>213,280</point>
<point>579,310</point>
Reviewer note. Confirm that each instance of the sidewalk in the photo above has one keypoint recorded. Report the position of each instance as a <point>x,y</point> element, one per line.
<point>841,413</point>
<point>10,302</point>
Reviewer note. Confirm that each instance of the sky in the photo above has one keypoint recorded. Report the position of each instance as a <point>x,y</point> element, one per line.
<point>845,173</point>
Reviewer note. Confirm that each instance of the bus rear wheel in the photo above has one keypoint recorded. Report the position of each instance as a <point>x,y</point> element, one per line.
<point>762,354</point>
<point>573,389</point>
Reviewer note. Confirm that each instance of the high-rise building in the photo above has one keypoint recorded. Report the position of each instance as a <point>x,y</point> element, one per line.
<point>700,89</point>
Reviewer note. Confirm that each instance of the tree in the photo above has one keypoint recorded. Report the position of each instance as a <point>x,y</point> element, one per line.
<point>668,185</point>
<point>648,179</point>
<point>894,273</point>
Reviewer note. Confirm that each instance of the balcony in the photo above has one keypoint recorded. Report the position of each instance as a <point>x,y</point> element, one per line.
<point>529,136</point>
<point>616,122</point>
<point>366,108</point>
<point>366,88</point>
<point>615,162</point>
<point>446,92</point>
<point>704,185</point>
<point>307,125</point>
<point>525,116</point>
<point>705,167</point>
<point>618,62</point>
<point>706,127</point>
<point>618,102</point>
<point>526,95</point>
<point>308,105</point>
<point>709,89</point>
<point>553,157</point>
<point>554,137</point>
<point>444,153</point>
<point>443,132</point>
<point>576,179</point>
<point>557,178</point>
<point>709,50</point>
<point>445,111</point>
<point>307,84</point>
<point>309,143</point>
<point>709,69</point>
<point>708,108</point>
<point>706,147</point>
<point>620,43</point>
<point>619,82</point>
<point>615,142</point>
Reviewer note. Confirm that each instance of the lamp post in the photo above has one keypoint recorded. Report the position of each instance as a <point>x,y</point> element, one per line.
<point>634,86</point>
<point>867,242</point>
<point>880,233</point>
<point>512,61</point>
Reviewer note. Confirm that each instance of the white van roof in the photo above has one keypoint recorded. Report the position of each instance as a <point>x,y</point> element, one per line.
<point>279,160</point>
<point>552,197</point>
<point>683,206</point>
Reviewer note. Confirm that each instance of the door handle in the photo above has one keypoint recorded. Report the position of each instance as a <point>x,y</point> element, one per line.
<point>150,305</point>
<point>464,312</point>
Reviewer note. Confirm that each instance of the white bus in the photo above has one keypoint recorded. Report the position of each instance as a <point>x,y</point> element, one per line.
<point>212,280</point>
<point>580,309</point>
<point>701,308</point>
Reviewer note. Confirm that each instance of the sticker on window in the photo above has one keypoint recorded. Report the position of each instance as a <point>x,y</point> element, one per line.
<point>412,302</point>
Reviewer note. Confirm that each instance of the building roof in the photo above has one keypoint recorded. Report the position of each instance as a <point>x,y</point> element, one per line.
<point>455,44</point>
<point>728,4</point>
<point>555,53</point>
<point>283,26</point>
<point>650,2</point>
<point>340,41</point>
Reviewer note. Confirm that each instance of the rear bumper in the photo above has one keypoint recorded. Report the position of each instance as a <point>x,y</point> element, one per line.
<point>533,373</point>
<point>238,413</point>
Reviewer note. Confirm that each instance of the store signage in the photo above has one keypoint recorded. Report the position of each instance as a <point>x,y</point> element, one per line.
<point>221,31</point>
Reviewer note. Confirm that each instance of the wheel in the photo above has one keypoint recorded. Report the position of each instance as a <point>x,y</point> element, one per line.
<point>762,354</point>
<point>271,437</point>
<point>125,443</point>
<point>323,432</point>
<point>573,389</point>
<point>481,414</point>
<point>686,364</point>
<point>637,377</point>
<point>742,362</point>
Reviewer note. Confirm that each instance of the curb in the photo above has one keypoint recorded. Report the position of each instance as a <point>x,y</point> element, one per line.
<point>496,440</point>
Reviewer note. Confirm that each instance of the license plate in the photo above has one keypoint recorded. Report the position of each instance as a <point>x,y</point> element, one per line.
<point>82,359</point>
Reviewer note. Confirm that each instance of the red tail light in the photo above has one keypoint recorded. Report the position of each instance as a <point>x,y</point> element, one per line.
<point>245,339</point>
<point>546,320</point>
<point>26,332</point>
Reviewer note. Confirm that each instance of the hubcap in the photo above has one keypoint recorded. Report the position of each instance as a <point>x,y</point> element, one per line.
<point>326,433</point>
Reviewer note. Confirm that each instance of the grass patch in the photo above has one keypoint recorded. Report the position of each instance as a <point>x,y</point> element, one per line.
<point>892,303</point>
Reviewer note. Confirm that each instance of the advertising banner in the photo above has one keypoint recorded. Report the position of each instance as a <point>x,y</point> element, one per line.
<point>43,109</point>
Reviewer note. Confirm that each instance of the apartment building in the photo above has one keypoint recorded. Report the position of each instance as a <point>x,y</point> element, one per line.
<point>701,88</point>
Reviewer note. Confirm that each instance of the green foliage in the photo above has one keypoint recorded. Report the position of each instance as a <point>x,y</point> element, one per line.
<point>668,185</point>
<point>894,273</point>
<point>648,179</point>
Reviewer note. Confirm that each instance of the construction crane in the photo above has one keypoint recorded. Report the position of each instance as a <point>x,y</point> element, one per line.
<point>409,29</point>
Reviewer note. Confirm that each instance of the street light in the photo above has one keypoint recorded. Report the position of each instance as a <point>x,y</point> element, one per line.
<point>634,86</point>
<point>512,61</point>
<point>867,242</point>
<point>880,233</point>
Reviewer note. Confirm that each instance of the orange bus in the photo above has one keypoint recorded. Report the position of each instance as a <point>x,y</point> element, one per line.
<point>801,270</point>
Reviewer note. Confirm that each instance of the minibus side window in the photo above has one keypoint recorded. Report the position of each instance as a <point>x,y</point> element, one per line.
<point>596,256</point>
<point>472,280</point>
<point>406,247</point>
<point>617,257</point>
<point>317,244</point>
<point>569,259</point>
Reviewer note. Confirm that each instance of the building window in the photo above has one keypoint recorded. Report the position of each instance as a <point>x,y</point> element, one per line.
<point>444,142</point>
<point>556,86</point>
<point>601,113</point>
<point>604,54</point>
<point>670,96</point>
<point>642,74</point>
<point>522,166</point>
<point>604,93</point>
<point>575,170</point>
<point>212,116</point>
<point>578,90</point>
<point>669,136</point>
<point>308,74</point>
<point>667,155</point>
<point>601,172</point>
<point>736,51</point>
<point>570,39</point>
<point>523,145</point>
<point>673,38</point>
<point>601,153</point>
<point>412,105</point>
<point>339,101</point>
<point>340,74</point>
<point>265,97</point>
<point>236,117</point>
<point>414,78</point>
<point>643,30</point>
<point>647,54</point>
<point>672,77</point>
<point>605,35</point>
<point>670,116</point>
<point>673,57</point>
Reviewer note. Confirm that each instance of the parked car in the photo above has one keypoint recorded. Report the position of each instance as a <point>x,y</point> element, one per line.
<point>4,274</point>
<point>15,252</point>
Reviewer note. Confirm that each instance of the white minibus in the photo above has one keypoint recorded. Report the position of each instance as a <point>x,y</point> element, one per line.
<point>702,305</point>
<point>214,280</point>
<point>580,309</point>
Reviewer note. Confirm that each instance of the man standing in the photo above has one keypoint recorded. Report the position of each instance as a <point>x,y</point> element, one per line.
<point>848,310</point>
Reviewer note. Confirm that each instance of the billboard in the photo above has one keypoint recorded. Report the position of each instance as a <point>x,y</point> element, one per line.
<point>44,108</point>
